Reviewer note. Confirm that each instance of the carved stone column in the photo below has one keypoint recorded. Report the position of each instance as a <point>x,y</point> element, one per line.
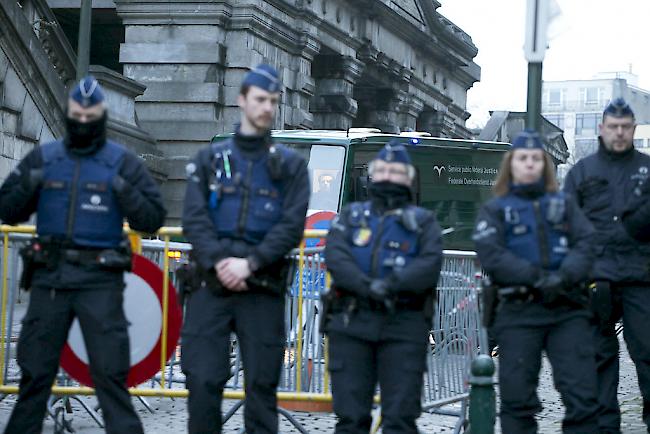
<point>437,122</point>
<point>333,104</point>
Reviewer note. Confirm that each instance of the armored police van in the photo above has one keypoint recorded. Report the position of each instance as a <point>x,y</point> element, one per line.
<point>453,177</point>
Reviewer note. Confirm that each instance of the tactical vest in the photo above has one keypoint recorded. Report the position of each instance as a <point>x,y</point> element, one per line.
<point>537,230</point>
<point>245,202</point>
<point>382,244</point>
<point>76,201</point>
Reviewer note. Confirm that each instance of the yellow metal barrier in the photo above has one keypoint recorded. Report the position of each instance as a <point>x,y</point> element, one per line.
<point>166,233</point>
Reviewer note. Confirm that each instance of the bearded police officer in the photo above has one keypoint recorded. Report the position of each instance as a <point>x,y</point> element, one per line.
<point>81,188</point>
<point>245,209</point>
<point>385,257</point>
<point>603,183</point>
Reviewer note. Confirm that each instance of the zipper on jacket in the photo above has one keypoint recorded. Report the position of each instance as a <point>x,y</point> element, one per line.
<point>243,211</point>
<point>541,235</point>
<point>375,247</point>
<point>73,199</point>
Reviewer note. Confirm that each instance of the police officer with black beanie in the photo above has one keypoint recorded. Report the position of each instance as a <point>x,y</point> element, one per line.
<point>604,183</point>
<point>81,188</point>
<point>385,257</point>
<point>244,211</point>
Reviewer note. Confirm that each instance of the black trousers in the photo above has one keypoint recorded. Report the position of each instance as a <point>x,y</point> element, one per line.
<point>43,335</point>
<point>258,321</point>
<point>633,305</point>
<point>357,364</point>
<point>523,331</point>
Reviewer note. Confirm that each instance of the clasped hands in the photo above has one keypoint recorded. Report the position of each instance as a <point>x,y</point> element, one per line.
<point>233,272</point>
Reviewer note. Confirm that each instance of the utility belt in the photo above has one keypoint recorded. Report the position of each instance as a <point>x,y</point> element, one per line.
<point>343,301</point>
<point>48,253</point>
<point>520,294</point>
<point>493,295</point>
<point>335,301</point>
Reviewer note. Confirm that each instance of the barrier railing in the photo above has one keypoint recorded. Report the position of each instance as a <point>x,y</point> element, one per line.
<point>455,335</point>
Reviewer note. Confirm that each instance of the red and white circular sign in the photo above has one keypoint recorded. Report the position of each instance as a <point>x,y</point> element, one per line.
<point>143,302</point>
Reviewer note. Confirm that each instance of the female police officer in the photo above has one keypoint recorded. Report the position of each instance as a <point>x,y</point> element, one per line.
<point>533,241</point>
<point>385,257</point>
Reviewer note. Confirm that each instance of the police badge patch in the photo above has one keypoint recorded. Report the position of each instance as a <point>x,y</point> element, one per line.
<point>362,237</point>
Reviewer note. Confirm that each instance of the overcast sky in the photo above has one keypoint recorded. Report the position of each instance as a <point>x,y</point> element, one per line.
<point>591,36</point>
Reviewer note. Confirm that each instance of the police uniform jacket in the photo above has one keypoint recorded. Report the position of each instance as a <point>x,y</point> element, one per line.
<point>245,199</point>
<point>603,184</point>
<point>82,201</point>
<point>527,231</point>
<point>366,242</point>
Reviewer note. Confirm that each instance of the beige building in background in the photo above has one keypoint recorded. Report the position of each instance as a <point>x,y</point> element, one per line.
<point>642,138</point>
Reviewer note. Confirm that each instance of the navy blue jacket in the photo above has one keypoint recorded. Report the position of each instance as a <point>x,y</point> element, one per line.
<point>353,266</point>
<point>603,184</point>
<point>252,216</point>
<point>133,190</point>
<point>515,249</point>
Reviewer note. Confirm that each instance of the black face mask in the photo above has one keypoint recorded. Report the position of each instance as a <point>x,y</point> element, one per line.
<point>389,195</point>
<point>85,137</point>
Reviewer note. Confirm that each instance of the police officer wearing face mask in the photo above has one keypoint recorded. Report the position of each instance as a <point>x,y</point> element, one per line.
<point>385,257</point>
<point>81,189</point>
<point>533,242</point>
<point>604,184</point>
<point>245,210</point>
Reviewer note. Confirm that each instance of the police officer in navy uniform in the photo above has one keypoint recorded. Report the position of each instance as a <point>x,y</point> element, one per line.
<point>384,256</point>
<point>245,210</point>
<point>604,184</point>
<point>81,188</point>
<point>533,242</point>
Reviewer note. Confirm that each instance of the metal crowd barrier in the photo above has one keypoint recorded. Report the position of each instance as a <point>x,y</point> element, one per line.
<point>455,336</point>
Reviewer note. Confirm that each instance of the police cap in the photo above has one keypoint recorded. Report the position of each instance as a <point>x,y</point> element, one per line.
<point>528,139</point>
<point>87,92</point>
<point>263,76</point>
<point>394,152</point>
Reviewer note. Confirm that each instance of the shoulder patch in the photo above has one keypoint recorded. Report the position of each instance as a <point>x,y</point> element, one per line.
<point>358,212</point>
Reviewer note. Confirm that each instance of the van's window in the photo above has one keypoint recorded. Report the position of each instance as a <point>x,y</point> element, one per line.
<point>325,164</point>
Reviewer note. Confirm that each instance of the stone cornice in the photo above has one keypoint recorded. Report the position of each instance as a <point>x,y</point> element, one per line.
<point>152,12</point>
<point>27,56</point>
<point>442,42</point>
<point>120,83</point>
<point>310,17</point>
<point>269,28</point>
<point>432,91</point>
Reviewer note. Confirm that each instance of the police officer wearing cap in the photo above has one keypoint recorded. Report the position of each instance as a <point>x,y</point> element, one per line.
<point>244,211</point>
<point>603,184</point>
<point>81,188</point>
<point>533,242</point>
<point>384,256</point>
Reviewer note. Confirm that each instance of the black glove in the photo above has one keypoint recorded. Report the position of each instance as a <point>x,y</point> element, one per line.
<point>380,292</point>
<point>552,286</point>
<point>123,192</point>
<point>119,185</point>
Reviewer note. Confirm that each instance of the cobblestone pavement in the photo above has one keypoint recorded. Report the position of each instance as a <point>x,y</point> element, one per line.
<point>169,415</point>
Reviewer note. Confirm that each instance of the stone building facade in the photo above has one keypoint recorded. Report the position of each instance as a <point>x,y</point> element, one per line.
<point>391,64</point>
